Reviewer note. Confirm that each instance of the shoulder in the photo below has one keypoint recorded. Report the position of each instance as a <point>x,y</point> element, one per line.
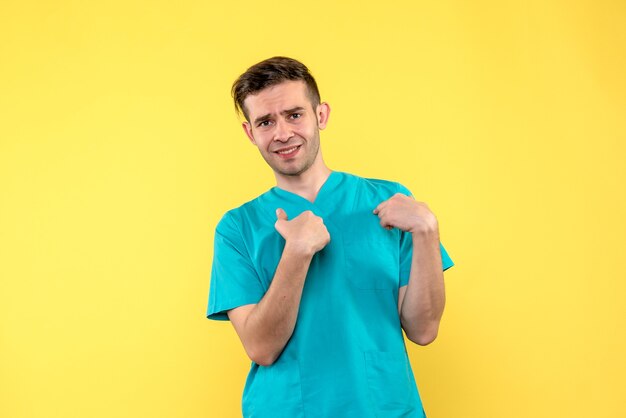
<point>231,221</point>
<point>378,186</point>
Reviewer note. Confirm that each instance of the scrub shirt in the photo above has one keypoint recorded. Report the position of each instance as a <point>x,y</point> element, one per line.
<point>346,357</point>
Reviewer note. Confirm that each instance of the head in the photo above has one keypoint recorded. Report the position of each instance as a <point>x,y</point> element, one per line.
<point>271,72</point>
<point>281,104</point>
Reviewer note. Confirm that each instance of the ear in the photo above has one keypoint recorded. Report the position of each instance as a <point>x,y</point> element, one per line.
<point>322,113</point>
<point>248,130</point>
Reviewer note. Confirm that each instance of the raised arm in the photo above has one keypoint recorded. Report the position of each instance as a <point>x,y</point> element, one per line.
<point>422,302</point>
<point>264,328</point>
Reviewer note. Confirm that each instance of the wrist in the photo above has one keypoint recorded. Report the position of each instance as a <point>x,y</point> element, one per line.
<point>425,231</point>
<point>298,250</point>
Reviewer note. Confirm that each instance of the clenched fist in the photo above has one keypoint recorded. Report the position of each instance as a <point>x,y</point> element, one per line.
<point>306,233</point>
<point>405,213</point>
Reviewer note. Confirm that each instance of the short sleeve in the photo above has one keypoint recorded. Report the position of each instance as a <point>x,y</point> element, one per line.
<point>234,281</point>
<point>406,250</point>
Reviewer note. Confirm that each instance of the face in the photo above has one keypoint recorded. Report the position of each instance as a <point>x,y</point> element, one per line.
<point>285,127</point>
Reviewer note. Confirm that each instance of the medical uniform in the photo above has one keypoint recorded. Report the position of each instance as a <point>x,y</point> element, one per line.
<point>346,357</point>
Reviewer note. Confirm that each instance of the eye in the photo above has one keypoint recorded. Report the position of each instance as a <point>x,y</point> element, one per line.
<point>264,123</point>
<point>295,115</point>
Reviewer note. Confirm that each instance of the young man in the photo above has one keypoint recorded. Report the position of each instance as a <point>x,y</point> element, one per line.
<point>320,274</point>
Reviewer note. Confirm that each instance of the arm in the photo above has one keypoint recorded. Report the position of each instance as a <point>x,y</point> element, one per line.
<point>421,303</point>
<point>265,328</point>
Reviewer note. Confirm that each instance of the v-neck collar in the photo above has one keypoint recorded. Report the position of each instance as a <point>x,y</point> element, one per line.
<point>327,187</point>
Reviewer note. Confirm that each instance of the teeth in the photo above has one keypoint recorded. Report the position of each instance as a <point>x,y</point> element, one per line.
<point>287,151</point>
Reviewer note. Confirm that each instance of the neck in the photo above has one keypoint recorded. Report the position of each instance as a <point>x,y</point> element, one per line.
<point>306,184</point>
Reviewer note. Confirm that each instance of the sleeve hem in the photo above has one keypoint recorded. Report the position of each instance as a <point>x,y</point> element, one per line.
<point>447,267</point>
<point>218,313</point>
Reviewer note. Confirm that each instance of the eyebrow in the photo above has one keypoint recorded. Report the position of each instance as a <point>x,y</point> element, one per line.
<point>284,112</point>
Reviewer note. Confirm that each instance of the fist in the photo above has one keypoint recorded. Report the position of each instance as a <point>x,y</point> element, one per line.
<point>306,233</point>
<point>405,213</point>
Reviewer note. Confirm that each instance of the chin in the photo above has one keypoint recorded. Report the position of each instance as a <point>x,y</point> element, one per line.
<point>290,171</point>
<point>293,172</point>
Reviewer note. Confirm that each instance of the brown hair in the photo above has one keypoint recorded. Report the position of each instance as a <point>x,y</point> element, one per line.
<point>268,73</point>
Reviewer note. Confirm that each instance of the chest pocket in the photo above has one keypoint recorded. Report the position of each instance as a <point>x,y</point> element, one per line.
<point>372,258</point>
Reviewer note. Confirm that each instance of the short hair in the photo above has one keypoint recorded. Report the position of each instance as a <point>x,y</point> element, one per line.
<point>268,73</point>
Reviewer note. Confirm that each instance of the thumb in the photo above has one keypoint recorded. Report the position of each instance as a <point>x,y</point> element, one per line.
<point>280,214</point>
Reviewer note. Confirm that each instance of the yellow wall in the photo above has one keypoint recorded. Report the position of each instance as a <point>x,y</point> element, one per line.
<point>120,150</point>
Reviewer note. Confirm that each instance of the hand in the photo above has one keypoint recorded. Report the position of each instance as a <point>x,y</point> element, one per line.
<point>305,233</point>
<point>405,213</point>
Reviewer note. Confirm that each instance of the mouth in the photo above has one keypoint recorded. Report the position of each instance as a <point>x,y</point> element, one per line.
<point>288,152</point>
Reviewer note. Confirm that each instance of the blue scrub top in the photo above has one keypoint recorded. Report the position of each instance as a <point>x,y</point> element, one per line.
<point>346,357</point>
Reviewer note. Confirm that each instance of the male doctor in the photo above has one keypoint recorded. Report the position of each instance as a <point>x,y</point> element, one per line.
<point>320,274</point>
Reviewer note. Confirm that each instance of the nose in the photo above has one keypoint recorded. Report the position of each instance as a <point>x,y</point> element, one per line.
<point>283,131</point>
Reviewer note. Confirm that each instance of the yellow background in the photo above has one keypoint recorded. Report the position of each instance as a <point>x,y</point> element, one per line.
<point>120,150</point>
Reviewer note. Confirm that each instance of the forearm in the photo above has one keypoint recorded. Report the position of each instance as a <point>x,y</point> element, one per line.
<point>270,324</point>
<point>424,300</point>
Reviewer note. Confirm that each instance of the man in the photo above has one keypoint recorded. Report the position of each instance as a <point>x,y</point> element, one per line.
<point>320,274</point>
